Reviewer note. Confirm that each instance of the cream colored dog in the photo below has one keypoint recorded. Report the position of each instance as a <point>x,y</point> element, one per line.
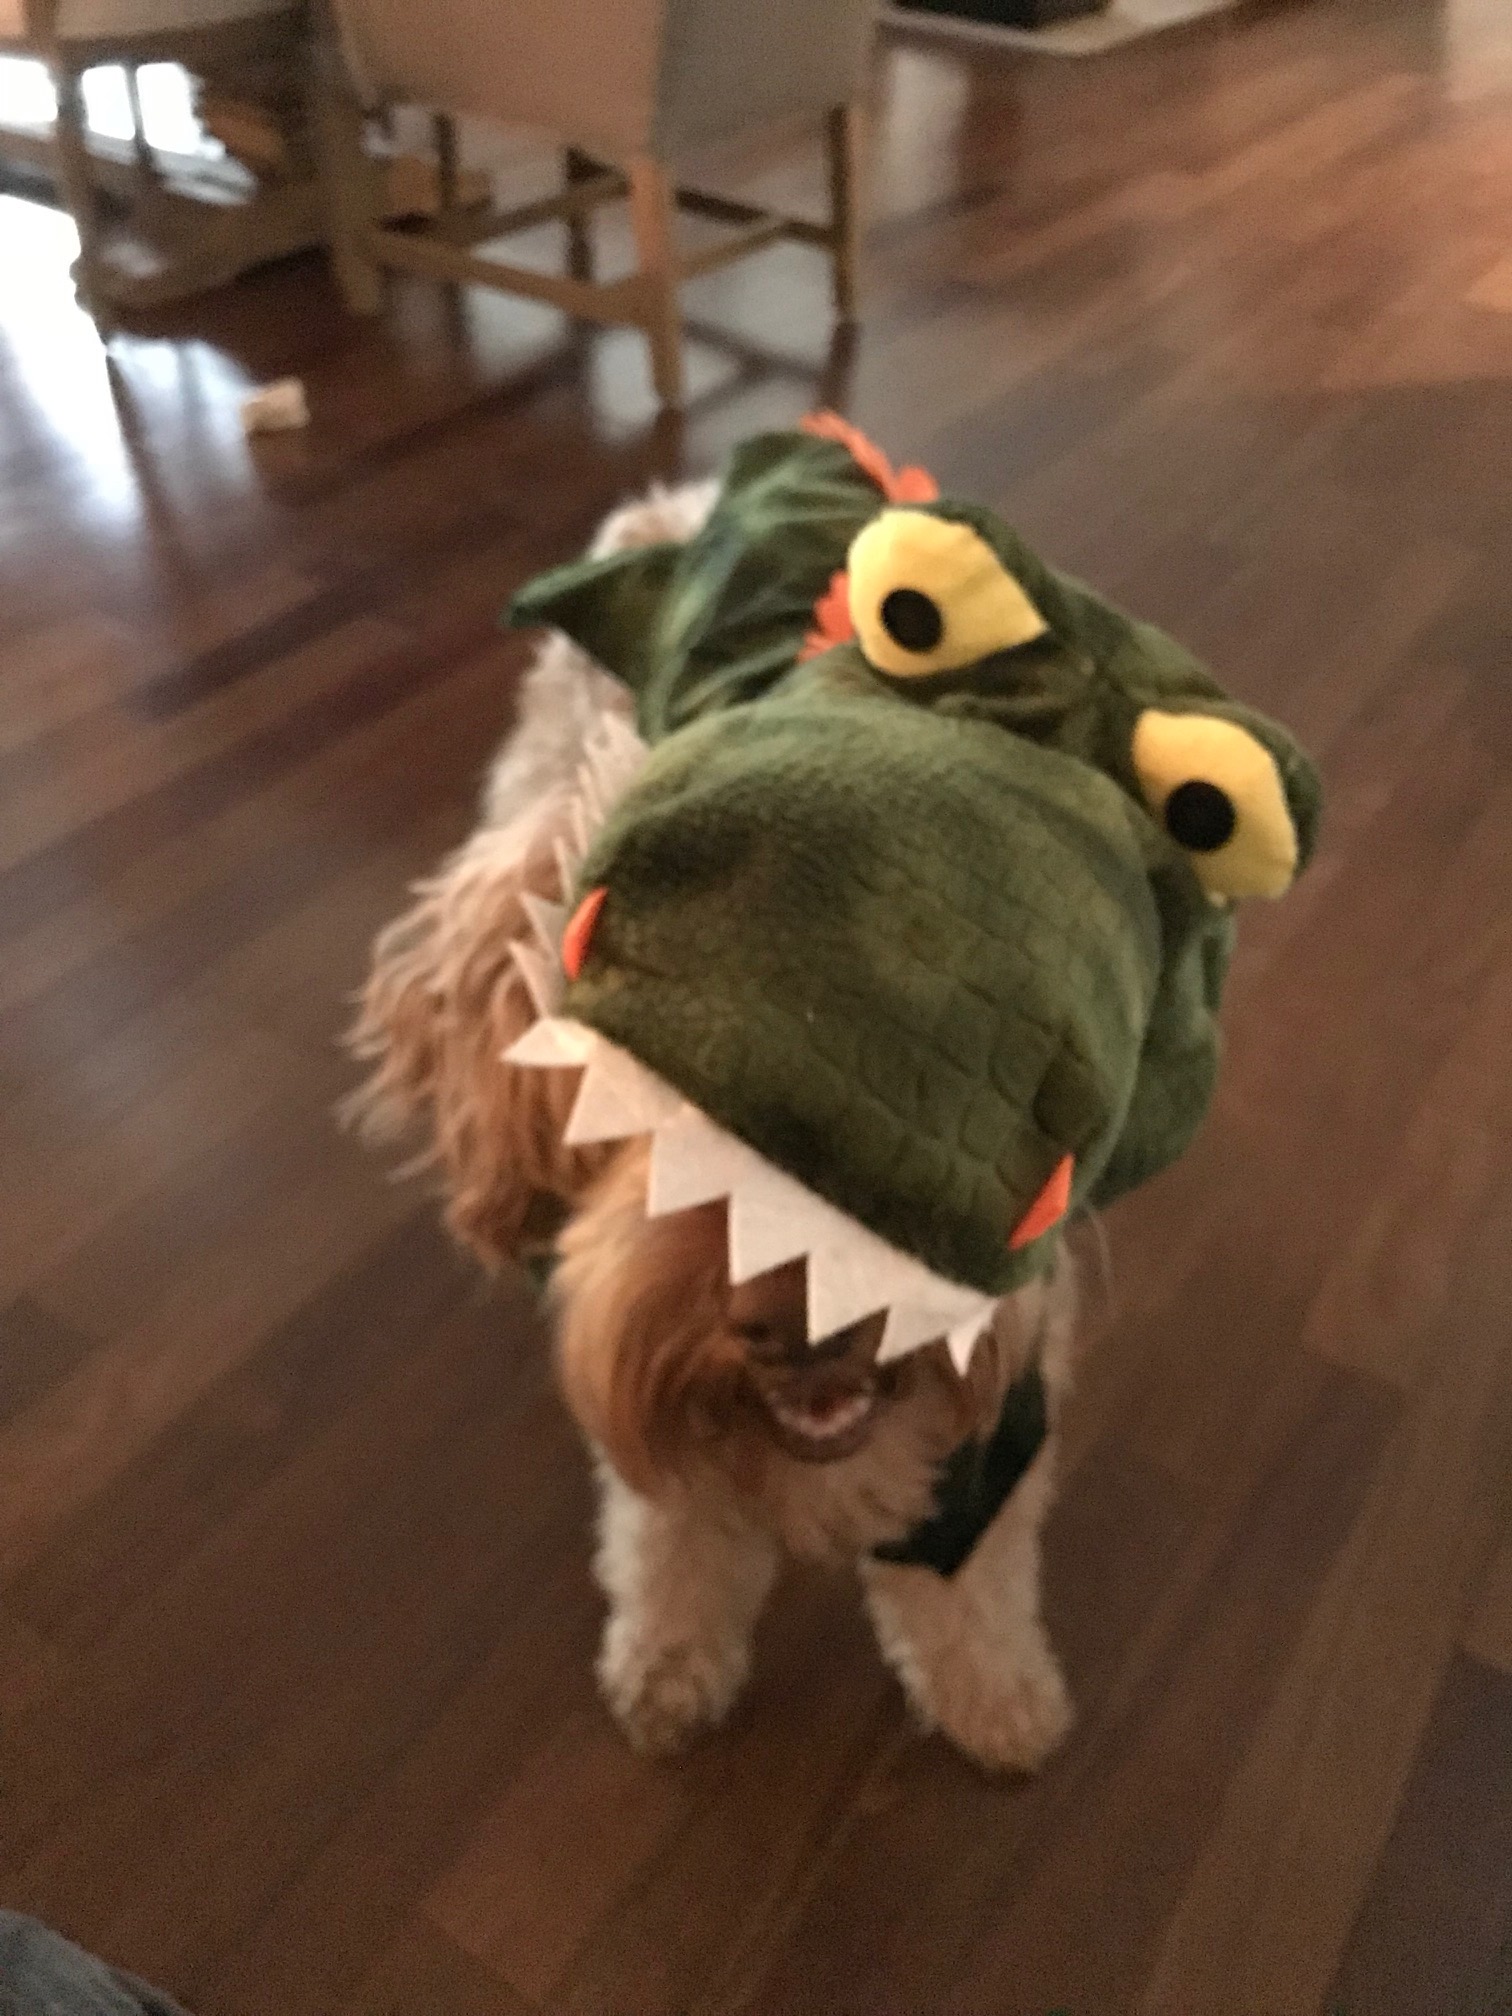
<point>722,1437</point>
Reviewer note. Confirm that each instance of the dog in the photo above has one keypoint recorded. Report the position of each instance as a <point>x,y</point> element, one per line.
<point>722,1438</point>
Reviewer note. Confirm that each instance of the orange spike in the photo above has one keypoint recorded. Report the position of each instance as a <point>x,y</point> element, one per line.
<point>899,486</point>
<point>1048,1208</point>
<point>579,931</point>
<point>832,618</point>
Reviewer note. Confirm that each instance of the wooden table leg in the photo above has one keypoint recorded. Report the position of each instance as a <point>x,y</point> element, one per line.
<point>653,213</point>
<point>844,136</point>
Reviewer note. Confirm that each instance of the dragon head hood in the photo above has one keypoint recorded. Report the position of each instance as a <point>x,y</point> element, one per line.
<point>903,923</point>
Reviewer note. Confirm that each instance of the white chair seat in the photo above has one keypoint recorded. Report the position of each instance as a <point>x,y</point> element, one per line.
<point>109,21</point>
<point>122,20</point>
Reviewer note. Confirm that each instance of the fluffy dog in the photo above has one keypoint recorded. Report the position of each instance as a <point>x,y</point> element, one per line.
<point>722,1438</point>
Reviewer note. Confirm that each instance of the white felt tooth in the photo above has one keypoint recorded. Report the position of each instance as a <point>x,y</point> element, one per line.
<point>693,1162</point>
<point>909,1324</point>
<point>929,1308</point>
<point>771,1221</point>
<point>553,1042</point>
<point>962,1340</point>
<point>542,976</point>
<point>617,1098</point>
<point>547,920</point>
<point>844,1284</point>
<point>773,1218</point>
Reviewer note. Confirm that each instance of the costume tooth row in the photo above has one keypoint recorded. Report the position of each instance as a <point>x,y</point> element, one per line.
<point>773,1218</point>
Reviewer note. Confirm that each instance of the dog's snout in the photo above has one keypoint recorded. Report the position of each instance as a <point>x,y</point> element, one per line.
<point>857,1340</point>
<point>769,1315</point>
<point>786,1344</point>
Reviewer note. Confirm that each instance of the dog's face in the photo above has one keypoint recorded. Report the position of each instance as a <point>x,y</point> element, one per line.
<point>666,1366</point>
<point>818,1402</point>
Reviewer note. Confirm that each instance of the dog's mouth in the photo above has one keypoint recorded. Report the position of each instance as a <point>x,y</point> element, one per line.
<point>821,1421</point>
<point>822,1426</point>
<point>817,1402</point>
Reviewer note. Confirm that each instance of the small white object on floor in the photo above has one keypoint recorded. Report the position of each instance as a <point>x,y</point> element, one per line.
<point>1086,35</point>
<point>276,408</point>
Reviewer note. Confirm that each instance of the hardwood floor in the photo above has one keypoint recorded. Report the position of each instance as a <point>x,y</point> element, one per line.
<point>296,1631</point>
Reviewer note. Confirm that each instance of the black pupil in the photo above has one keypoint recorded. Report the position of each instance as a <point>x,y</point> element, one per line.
<point>912,620</point>
<point>1200,817</point>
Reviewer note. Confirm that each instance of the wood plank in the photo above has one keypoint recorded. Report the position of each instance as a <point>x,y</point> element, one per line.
<point>83,1432</point>
<point>259,1693</point>
<point>37,1349</point>
<point>106,759</point>
<point>1152,1272</point>
<point>297,1709</point>
<point>303,837</point>
<point>367,670</point>
<point>1488,1636</point>
<point>1323,1774</point>
<point>768,1796</point>
<point>1378,1304</point>
<point>59,672</point>
<point>366,585</point>
<point>329,1353</point>
<point>1363,1076</point>
<point>318,1935</point>
<point>576,1826</point>
<point>425,1974</point>
<point>1435,1929</point>
<point>885,1871</point>
<point>210,884</point>
<point>893,1921</point>
<point>92,663</point>
<point>30,1667</point>
<point>81,1148</point>
<point>116,1275</point>
<point>1493,289</point>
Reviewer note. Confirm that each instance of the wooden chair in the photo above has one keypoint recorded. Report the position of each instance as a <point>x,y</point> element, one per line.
<point>626,86</point>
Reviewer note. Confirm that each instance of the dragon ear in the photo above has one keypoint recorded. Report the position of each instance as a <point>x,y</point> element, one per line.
<point>1237,796</point>
<point>609,606</point>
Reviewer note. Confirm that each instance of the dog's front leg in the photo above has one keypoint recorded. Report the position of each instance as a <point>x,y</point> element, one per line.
<point>686,1579</point>
<point>971,1649</point>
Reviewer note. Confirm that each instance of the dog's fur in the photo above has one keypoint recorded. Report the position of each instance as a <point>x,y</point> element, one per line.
<point>700,1401</point>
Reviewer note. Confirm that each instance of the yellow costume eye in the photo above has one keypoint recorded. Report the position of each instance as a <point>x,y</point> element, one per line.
<point>1218,793</point>
<point>928,594</point>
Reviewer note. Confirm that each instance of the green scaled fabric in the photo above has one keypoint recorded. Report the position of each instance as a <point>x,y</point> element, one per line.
<point>697,628</point>
<point>917,939</point>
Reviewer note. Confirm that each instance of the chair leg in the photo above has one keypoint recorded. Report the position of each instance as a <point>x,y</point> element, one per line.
<point>141,152</point>
<point>76,181</point>
<point>652,213</point>
<point>843,138</point>
<point>444,134</point>
<point>579,167</point>
<point>349,180</point>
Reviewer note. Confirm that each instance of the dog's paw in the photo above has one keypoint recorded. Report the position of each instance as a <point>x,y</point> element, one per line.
<point>663,1695</point>
<point>1010,1718</point>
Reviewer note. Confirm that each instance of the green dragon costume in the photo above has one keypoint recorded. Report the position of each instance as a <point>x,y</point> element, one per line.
<point>906,932</point>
